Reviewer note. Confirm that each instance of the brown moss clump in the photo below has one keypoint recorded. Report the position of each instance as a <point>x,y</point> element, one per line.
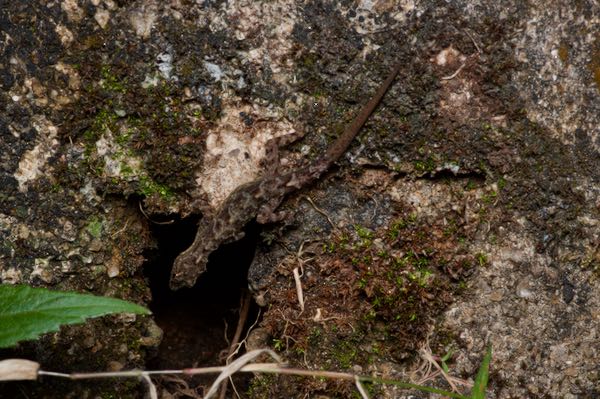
<point>369,297</point>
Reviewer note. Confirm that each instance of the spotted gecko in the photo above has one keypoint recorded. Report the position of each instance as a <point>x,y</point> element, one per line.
<point>259,199</point>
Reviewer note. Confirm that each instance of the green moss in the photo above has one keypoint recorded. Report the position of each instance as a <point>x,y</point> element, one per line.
<point>420,276</point>
<point>147,124</point>
<point>126,170</point>
<point>501,183</point>
<point>365,235</point>
<point>403,279</point>
<point>124,138</point>
<point>345,353</point>
<point>482,259</point>
<point>490,197</point>
<point>149,187</point>
<point>261,386</point>
<point>104,120</point>
<point>427,165</point>
<point>111,82</point>
<point>471,185</point>
<point>315,336</point>
<point>94,227</point>
<point>451,228</point>
<point>401,224</point>
<point>329,247</point>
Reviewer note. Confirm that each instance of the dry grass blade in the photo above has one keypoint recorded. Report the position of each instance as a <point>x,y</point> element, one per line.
<point>235,366</point>
<point>241,365</point>
<point>299,292</point>
<point>152,393</point>
<point>244,309</point>
<point>360,388</point>
<point>18,369</point>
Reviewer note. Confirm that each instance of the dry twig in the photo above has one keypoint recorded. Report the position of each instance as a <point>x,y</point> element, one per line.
<point>243,316</point>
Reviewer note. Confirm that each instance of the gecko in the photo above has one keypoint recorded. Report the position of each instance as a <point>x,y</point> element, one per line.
<point>260,198</point>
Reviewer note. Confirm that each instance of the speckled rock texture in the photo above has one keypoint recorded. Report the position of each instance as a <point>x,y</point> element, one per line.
<point>467,213</point>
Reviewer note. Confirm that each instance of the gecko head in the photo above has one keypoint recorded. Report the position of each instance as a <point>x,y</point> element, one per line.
<point>177,281</point>
<point>185,272</point>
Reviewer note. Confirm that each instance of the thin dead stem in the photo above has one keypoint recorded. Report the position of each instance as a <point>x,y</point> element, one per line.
<point>319,210</point>
<point>150,219</point>
<point>243,316</point>
<point>427,372</point>
<point>299,292</point>
<point>242,364</point>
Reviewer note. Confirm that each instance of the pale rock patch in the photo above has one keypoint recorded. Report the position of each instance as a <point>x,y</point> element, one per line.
<point>33,162</point>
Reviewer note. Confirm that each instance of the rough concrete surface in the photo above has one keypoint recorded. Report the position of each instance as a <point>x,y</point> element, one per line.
<point>466,214</point>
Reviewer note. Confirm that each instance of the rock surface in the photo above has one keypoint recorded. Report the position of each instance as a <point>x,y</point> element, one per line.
<point>467,212</point>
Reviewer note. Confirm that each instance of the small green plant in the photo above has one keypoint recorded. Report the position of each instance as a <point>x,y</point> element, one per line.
<point>444,360</point>
<point>26,312</point>
<point>365,235</point>
<point>471,185</point>
<point>481,380</point>
<point>490,197</point>
<point>278,345</point>
<point>482,259</point>
<point>501,183</point>
<point>329,247</point>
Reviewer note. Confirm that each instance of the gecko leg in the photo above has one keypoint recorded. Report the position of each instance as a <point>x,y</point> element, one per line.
<point>271,159</point>
<point>266,213</point>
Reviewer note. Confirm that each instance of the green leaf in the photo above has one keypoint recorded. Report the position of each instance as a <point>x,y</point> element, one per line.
<point>481,380</point>
<point>448,355</point>
<point>445,368</point>
<point>444,359</point>
<point>27,312</point>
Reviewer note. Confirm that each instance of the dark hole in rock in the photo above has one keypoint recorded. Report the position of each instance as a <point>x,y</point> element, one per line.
<point>447,175</point>
<point>196,320</point>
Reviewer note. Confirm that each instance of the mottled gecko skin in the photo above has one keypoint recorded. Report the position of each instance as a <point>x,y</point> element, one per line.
<point>259,199</point>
